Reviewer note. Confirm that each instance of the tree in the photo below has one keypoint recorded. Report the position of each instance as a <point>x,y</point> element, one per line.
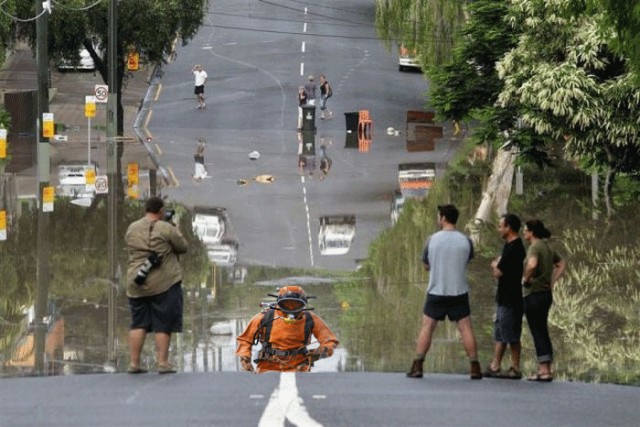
<point>570,86</point>
<point>624,15</point>
<point>149,27</point>
<point>428,27</point>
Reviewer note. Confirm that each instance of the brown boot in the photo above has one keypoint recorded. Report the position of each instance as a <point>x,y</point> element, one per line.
<point>476,371</point>
<point>416,369</point>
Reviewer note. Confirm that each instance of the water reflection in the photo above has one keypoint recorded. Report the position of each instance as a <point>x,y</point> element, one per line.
<point>335,234</point>
<point>376,325</point>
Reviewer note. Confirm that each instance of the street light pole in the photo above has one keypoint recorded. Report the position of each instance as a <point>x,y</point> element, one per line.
<point>114,180</point>
<point>44,171</point>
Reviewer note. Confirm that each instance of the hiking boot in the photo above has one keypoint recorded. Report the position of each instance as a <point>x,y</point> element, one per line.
<point>476,371</point>
<point>416,369</point>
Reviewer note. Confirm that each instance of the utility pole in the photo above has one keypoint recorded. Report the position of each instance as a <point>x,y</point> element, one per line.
<point>114,179</point>
<point>44,171</point>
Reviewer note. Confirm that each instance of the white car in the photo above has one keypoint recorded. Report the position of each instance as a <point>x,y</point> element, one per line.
<point>208,224</point>
<point>407,60</point>
<point>86,62</point>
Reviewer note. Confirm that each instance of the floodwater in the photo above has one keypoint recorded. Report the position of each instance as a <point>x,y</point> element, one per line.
<point>377,331</point>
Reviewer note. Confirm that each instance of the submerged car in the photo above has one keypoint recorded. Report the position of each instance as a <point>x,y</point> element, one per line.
<point>336,234</point>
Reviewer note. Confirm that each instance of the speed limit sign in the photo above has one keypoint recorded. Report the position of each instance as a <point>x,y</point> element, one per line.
<point>102,184</point>
<point>102,93</point>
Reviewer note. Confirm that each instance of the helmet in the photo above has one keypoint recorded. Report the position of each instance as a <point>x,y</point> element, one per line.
<point>291,299</point>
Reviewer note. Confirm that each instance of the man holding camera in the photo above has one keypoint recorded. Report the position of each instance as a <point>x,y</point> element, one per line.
<point>154,283</point>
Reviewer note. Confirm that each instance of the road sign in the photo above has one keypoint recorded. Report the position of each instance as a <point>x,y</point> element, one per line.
<point>3,143</point>
<point>48,194</point>
<point>102,184</point>
<point>133,61</point>
<point>102,93</point>
<point>3,225</point>
<point>47,125</point>
<point>89,106</point>
<point>132,174</point>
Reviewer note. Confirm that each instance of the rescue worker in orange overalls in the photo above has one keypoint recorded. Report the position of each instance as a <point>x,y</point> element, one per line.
<point>284,330</point>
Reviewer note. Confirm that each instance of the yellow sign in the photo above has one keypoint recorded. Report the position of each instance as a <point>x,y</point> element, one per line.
<point>132,174</point>
<point>3,143</point>
<point>133,61</point>
<point>90,176</point>
<point>132,192</point>
<point>89,106</point>
<point>47,125</point>
<point>3,225</point>
<point>48,193</point>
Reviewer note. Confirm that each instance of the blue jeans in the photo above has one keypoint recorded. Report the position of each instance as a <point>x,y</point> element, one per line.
<point>536,310</point>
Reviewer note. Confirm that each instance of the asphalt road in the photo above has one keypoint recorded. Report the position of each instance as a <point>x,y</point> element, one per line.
<point>339,399</point>
<point>256,54</point>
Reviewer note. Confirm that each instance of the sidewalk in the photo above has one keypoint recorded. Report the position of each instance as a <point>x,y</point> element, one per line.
<point>66,102</point>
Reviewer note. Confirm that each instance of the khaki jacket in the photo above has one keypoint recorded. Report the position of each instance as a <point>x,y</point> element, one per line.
<point>144,236</point>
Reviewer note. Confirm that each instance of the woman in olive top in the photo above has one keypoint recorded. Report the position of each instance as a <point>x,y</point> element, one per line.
<point>542,268</point>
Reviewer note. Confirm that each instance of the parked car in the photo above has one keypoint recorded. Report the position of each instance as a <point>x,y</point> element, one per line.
<point>85,63</point>
<point>407,59</point>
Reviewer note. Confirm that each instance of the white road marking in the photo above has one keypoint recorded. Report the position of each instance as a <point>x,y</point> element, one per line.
<point>285,404</point>
<point>302,68</point>
<point>303,46</point>
<point>304,27</point>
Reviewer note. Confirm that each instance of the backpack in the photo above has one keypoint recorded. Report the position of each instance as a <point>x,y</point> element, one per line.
<point>329,90</point>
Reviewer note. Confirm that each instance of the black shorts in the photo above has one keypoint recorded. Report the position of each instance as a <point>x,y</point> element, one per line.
<point>158,313</point>
<point>455,308</point>
<point>199,90</point>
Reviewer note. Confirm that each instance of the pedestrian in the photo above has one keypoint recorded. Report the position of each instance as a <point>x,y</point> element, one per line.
<point>200,80</point>
<point>446,255</point>
<point>310,90</point>
<point>200,171</point>
<point>284,331</point>
<point>326,92</point>
<point>302,100</point>
<point>507,328</point>
<point>542,268</point>
<point>154,283</point>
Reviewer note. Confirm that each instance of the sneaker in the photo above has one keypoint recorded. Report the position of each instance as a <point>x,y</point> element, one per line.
<point>416,369</point>
<point>476,371</point>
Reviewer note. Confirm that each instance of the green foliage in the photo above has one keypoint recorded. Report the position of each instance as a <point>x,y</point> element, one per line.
<point>430,27</point>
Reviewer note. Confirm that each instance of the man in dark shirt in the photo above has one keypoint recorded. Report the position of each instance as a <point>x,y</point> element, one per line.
<point>510,308</point>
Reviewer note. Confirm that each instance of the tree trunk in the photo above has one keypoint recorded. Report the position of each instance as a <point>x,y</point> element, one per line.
<point>497,193</point>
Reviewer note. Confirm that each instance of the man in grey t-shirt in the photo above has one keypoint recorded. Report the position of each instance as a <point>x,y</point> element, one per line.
<point>446,255</point>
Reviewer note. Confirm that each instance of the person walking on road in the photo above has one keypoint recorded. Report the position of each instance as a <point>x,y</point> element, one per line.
<point>310,90</point>
<point>200,80</point>
<point>507,328</point>
<point>284,331</point>
<point>446,255</point>
<point>325,160</point>
<point>542,268</point>
<point>154,284</point>
<point>326,92</point>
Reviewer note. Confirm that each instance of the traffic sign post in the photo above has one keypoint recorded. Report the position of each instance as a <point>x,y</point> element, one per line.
<point>48,194</point>
<point>89,111</point>
<point>102,184</point>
